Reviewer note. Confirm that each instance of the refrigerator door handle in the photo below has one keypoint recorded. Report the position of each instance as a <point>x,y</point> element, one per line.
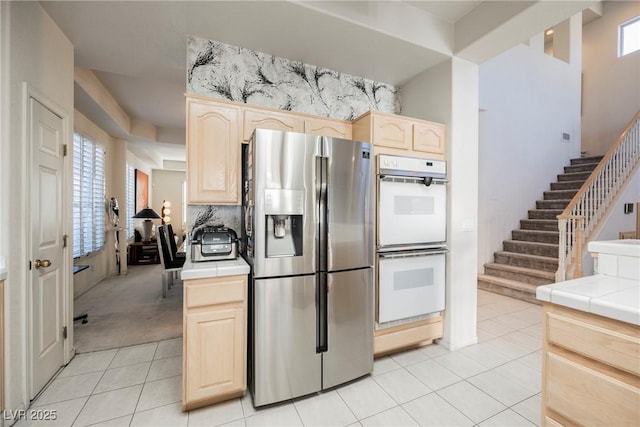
<point>321,191</point>
<point>321,313</point>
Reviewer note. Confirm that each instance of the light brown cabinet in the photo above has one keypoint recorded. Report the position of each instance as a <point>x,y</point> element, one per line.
<point>215,340</point>
<point>591,369</point>
<point>392,132</point>
<point>399,135</point>
<point>267,119</point>
<point>213,153</point>
<point>327,127</point>
<point>429,137</point>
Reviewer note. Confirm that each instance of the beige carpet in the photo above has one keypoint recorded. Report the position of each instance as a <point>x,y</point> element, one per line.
<point>128,310</point>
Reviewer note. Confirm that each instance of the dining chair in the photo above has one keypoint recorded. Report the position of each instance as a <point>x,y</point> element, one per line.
<point>172,244</point>
<point>170,267</point>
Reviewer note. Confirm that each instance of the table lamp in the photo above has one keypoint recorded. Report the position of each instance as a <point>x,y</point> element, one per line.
<point>147,225</point>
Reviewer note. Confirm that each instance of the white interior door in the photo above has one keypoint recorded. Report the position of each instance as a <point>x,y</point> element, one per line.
<point>46,219</point>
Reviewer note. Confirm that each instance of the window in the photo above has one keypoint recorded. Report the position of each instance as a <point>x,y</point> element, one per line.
<point>88,196</point>
<point>131,199</point>
<point>629,38</point>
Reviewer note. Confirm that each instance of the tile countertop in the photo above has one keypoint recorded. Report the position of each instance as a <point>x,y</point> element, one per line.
<point>607,296</point>
<point>3,269</point>
<point>627,247</point>
<point>202,270</point>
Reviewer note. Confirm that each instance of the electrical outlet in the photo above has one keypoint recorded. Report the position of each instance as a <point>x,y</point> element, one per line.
<point>628,208</point>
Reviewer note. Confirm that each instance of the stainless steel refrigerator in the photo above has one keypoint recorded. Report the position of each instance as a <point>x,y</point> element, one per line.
<point>309,239</point>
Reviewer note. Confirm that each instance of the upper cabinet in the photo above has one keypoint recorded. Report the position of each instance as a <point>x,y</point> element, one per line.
<point>267,119</point>
<point>213,153</point>
<point>293,122</point>
<point>217,128</point>
<point>392,131</point>
<point>393,134</point>
<point>327,127</point>
<point>429,137</point>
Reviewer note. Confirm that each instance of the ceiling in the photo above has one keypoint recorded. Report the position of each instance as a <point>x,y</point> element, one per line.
<point>137,49</point>
<point>138,52</point>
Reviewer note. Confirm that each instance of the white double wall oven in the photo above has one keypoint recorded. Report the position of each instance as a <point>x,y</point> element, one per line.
<point>411,239</point>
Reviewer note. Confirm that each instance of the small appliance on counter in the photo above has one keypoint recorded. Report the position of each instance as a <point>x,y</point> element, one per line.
<point>214,243</point>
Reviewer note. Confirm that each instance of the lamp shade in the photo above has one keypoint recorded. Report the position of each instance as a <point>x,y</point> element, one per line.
<point>147,213</point>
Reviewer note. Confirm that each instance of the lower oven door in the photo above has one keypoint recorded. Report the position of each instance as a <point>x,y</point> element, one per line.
<point>410,284</point>
<point>410,212</point>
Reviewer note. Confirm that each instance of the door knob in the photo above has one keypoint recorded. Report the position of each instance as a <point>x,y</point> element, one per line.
<point>42,263</point>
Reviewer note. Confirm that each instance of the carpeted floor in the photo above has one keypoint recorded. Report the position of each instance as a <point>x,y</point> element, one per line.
<point>128,310</point>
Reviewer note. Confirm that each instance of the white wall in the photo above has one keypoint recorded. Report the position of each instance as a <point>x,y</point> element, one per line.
<point>527,98</point>
<point>448,93</point>
<point>617,220</point>
<point>167,185</point>
<point>35,51</point>
<point>611,84</point>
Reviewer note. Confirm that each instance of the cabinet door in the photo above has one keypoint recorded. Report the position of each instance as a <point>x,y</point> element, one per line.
<point>213,154</point>
<point>333,128</point>
<point>392,132</point>
<point>270,120</point>
<point>215,354</point>
<point>584,393</point>
<point>429,137</point>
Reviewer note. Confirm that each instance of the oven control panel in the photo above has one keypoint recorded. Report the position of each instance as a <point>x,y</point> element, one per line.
<point>411,166</point>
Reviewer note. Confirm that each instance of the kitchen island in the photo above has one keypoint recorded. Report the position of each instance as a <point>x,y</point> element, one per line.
<point>591,349</point>
<point>214,331</point>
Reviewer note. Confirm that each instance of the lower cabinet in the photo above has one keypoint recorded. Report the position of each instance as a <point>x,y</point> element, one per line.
<point>591,370</point>
<point>215,338</point>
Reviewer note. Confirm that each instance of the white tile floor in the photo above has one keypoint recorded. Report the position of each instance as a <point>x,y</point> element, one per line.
<point>493,383</point>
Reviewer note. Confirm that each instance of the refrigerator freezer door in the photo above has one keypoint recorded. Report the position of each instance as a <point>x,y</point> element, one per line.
<point>349,203</point>
<point>286,364</point>
<point>350,327</point>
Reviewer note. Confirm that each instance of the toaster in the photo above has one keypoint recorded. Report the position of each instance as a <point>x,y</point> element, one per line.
<point>214,243</point>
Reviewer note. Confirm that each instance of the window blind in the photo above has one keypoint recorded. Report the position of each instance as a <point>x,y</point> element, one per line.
<point>88,196</point>
<point>131,199</point>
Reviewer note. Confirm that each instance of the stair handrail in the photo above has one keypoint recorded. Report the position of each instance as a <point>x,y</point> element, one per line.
<point>592,201</point>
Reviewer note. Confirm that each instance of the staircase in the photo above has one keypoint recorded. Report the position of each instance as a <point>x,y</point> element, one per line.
<point>530,258</point>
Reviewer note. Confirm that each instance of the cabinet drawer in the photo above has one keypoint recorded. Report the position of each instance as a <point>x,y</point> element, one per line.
<point>219,290</point>
<point>270,120</point>
<point>588,397</point>
<point>596,341</point>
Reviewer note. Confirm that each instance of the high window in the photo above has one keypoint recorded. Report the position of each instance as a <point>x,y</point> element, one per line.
<point>629,38</point>
<point>88,196</point>
<point>131,198</point>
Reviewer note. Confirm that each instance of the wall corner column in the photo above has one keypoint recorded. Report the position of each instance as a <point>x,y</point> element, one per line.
<point>462,155</point>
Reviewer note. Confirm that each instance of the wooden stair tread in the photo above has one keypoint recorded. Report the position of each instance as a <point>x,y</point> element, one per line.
<point>523,270</point>
<point>545,232</point>
<point>526,242</point>
<point>528,256</point>
<point>525,287</point>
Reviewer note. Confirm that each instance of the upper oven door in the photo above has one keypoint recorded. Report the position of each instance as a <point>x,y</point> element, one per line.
<point>410,212</point>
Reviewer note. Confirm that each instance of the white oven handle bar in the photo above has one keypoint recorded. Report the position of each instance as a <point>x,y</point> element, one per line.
<point>391,255</point>
<point>409,179</point>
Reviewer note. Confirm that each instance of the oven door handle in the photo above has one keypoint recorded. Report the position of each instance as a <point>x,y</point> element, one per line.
<point>425,180</point>
<point>391,255</point>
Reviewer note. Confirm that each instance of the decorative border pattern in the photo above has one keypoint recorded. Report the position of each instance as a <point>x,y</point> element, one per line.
<point>222,71</point>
